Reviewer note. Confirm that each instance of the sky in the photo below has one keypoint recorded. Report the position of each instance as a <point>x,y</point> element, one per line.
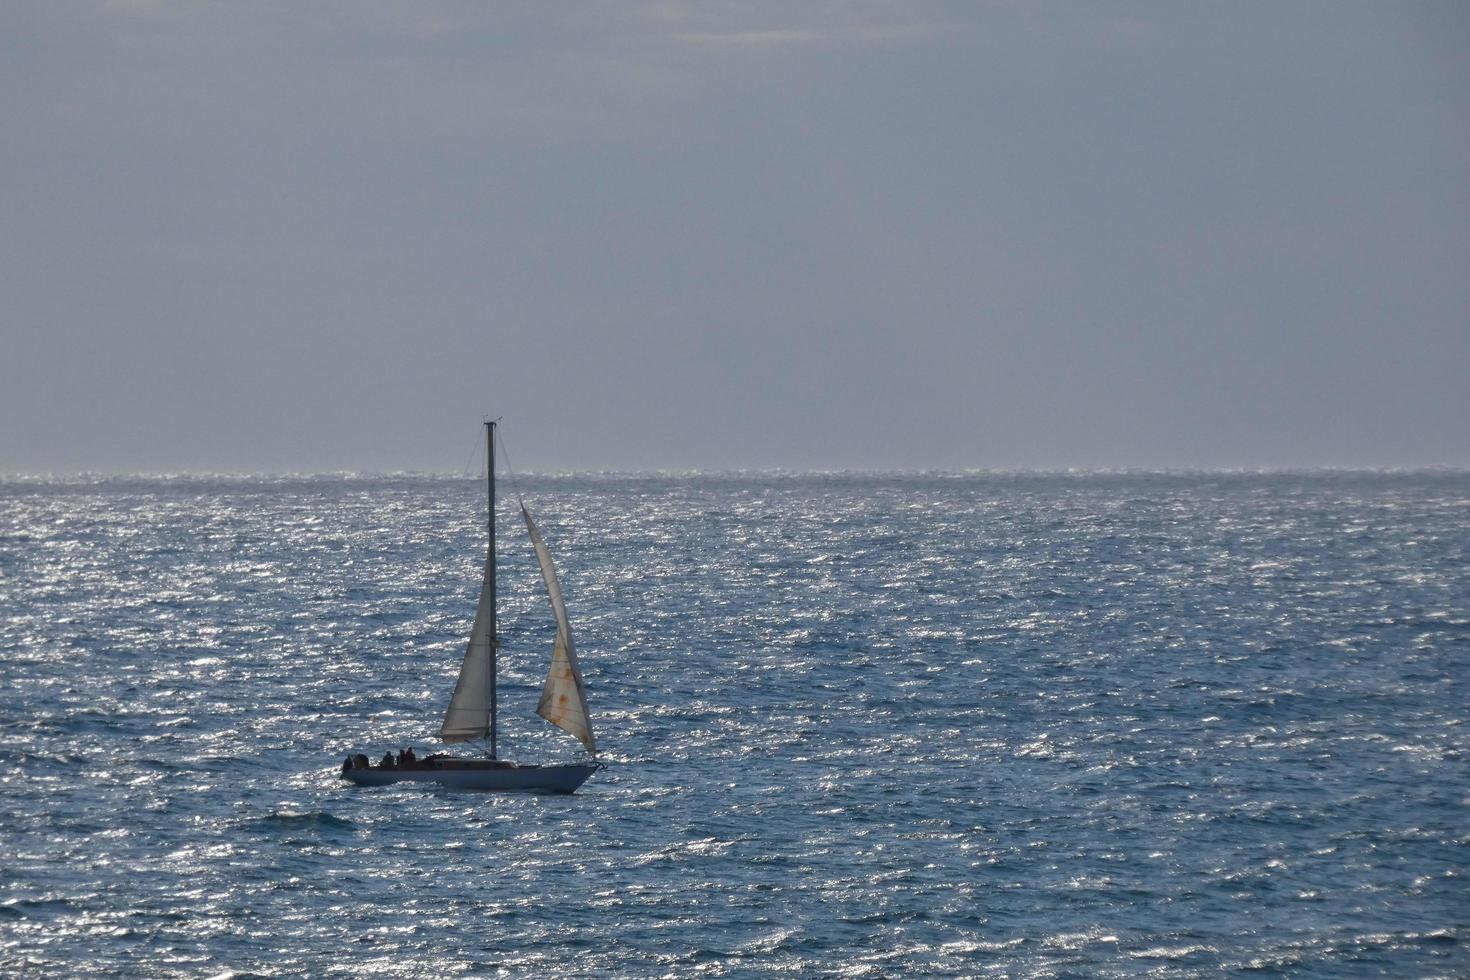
<point>285,237</point>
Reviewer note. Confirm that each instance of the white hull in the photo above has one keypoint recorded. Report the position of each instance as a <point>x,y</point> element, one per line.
<point>512,779</point>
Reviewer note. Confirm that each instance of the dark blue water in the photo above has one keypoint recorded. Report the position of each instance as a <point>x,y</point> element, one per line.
<point>1086,725</point>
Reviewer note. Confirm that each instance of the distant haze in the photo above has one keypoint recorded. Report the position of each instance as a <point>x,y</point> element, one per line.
<point>326,236</point>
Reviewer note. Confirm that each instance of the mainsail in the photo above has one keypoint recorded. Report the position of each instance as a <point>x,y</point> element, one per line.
<point>468,717</point>
<point>562,701</point>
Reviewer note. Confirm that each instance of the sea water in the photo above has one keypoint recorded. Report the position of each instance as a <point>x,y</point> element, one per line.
<point>1015,725</point>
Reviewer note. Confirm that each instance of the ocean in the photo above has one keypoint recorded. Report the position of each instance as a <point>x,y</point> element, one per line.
<point>1020,725</point>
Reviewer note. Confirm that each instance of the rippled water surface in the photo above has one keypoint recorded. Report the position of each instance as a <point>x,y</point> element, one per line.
<point>1012,725</point>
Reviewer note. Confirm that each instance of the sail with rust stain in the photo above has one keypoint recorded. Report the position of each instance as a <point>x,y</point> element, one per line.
<point>563,702</point>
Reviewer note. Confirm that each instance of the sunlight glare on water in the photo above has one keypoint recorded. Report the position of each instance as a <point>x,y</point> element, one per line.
<point>1022,725</point>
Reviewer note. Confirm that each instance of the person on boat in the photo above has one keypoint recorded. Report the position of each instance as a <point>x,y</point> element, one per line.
<point>387,762</point>
<point>409,757</point>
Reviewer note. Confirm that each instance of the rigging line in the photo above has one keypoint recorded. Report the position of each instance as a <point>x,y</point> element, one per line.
<point>515,486</point>
<point>471,464</point>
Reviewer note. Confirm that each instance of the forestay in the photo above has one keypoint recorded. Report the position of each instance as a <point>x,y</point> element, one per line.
<point>563,702</point>
<point>468,717</point>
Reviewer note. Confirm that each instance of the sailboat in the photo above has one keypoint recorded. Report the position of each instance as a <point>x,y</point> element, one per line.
<point>472,712</point>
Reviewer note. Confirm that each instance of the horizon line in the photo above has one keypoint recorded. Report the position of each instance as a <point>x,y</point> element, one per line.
<point>103,476</point>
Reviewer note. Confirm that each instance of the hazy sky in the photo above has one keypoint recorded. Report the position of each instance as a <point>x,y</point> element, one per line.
<point>321,236</point>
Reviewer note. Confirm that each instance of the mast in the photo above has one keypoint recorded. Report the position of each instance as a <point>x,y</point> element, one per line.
<point>494,641</point>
